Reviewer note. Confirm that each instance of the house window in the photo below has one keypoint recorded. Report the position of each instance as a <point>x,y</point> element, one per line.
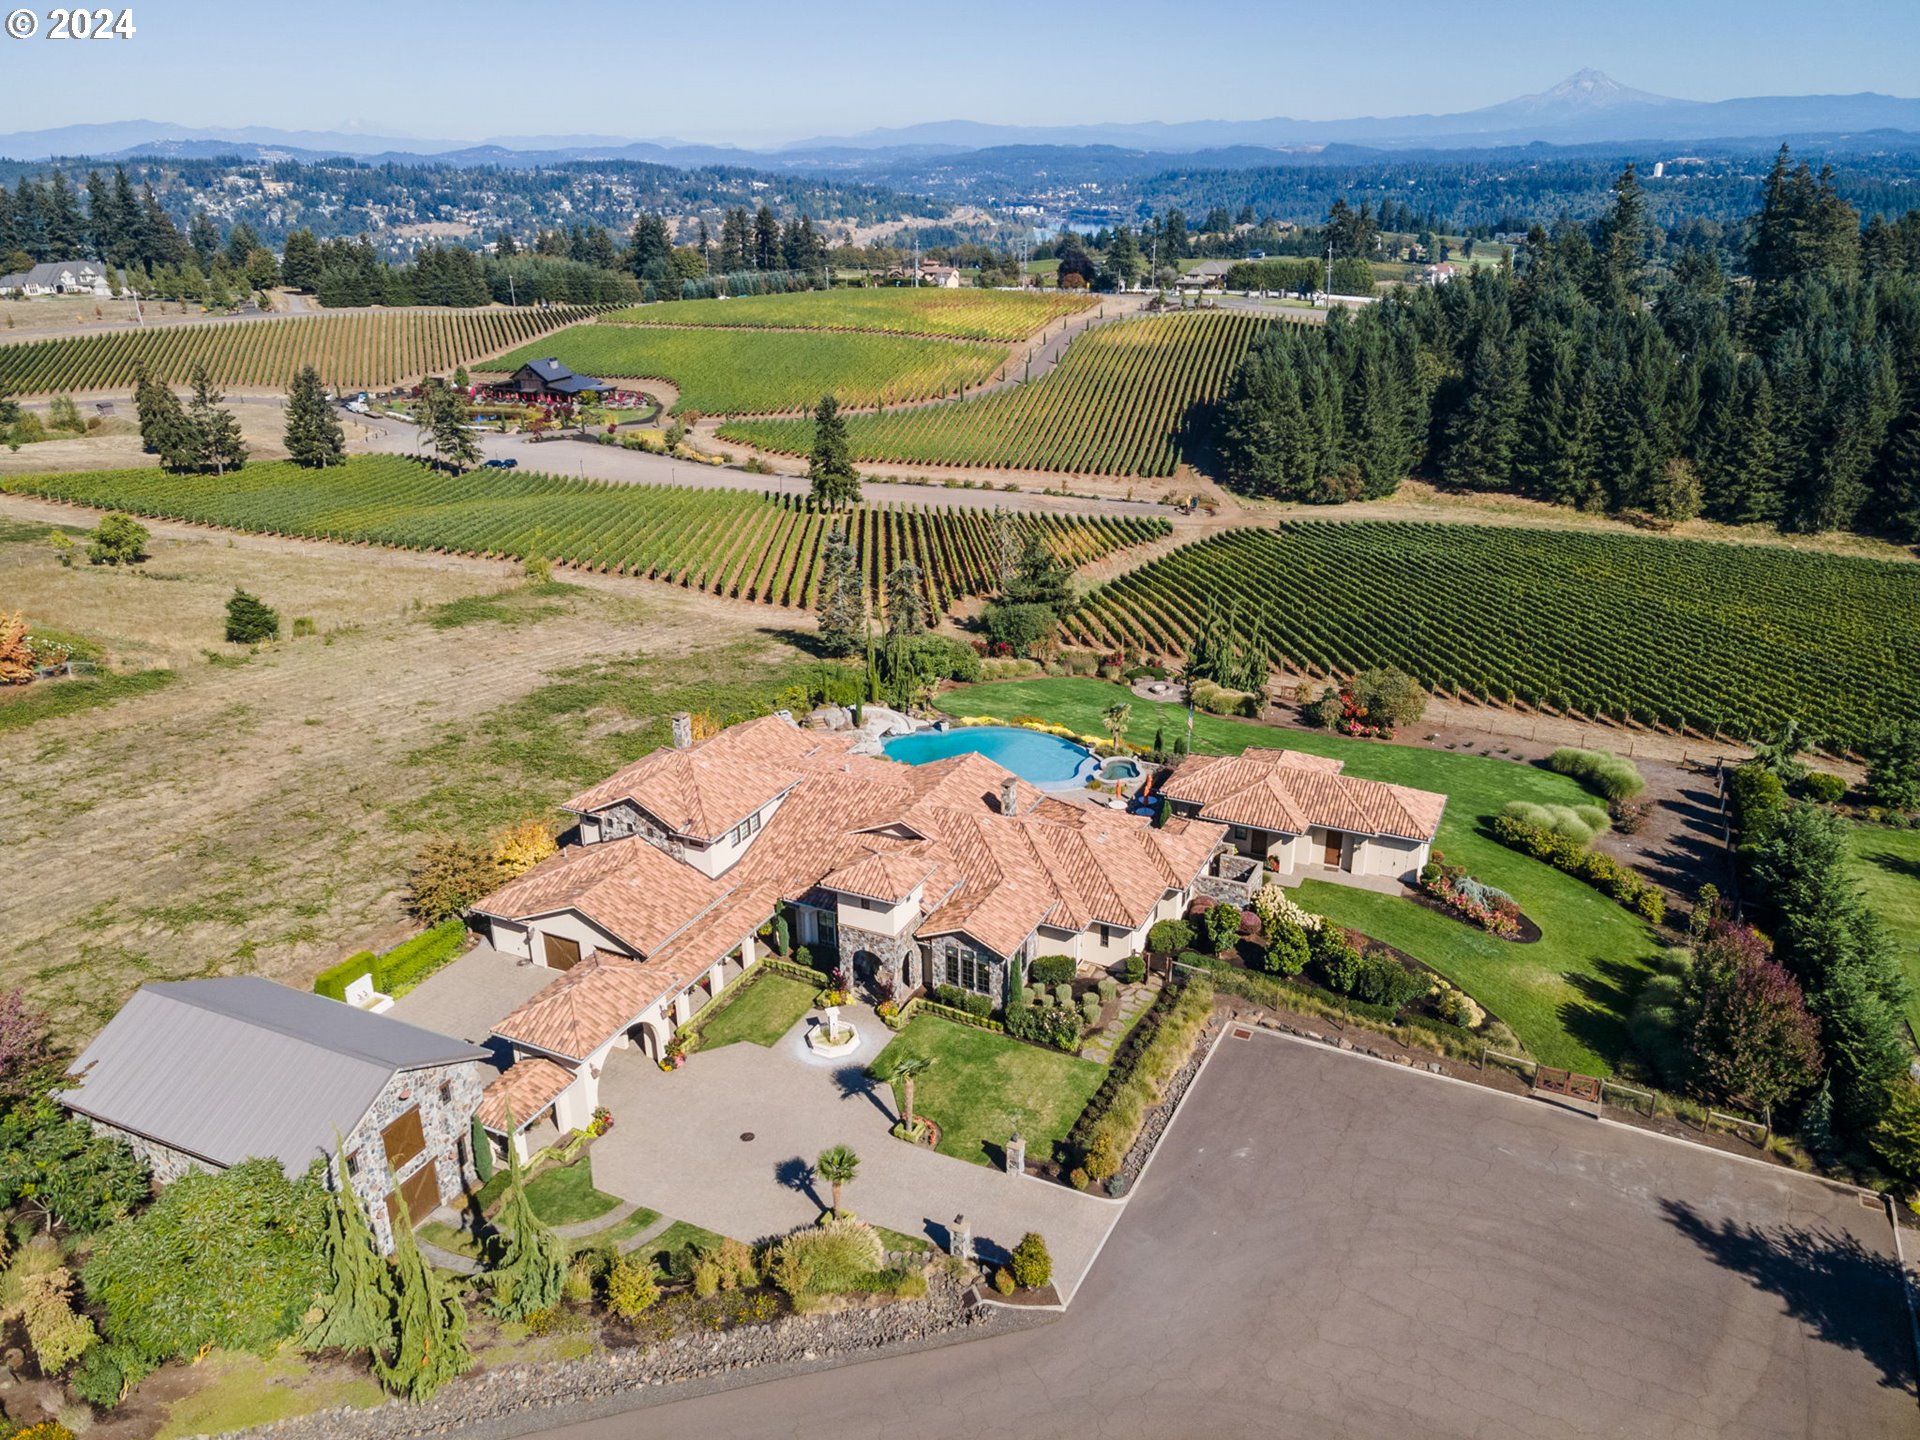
<point>970,971</point>
<point>746,829</point>
<point>446,1093</point>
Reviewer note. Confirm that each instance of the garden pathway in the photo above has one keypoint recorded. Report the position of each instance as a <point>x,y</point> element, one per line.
<point>1133,999</point>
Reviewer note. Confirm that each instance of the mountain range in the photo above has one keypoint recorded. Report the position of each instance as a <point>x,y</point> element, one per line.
<point>1586,108</point>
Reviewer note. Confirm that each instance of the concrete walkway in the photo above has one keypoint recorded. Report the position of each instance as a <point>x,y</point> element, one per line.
<point>728,1140</point>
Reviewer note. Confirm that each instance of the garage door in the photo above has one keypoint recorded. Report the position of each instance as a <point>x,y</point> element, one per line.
<point>422,1192</point>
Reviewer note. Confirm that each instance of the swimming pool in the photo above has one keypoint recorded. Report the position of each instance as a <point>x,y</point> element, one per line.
<point>1043,760</point>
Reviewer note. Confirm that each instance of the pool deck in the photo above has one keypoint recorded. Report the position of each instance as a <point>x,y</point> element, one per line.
<point>1088,768</point>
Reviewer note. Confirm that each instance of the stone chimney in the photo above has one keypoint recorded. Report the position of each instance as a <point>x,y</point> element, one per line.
<point>682,730</point>
<point>1009,789</point>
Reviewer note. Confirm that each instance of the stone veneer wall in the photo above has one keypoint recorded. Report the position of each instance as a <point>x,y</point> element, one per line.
<point>942,946</point>
<point>167,1163</point>
<point>446,1124</point>
<point>620,821</point>
<point>896,954</point>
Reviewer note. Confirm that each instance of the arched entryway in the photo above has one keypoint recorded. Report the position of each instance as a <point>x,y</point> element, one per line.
<point>651,1038</point>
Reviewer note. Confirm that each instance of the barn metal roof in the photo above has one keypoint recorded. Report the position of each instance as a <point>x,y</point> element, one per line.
<point>238,1067</point>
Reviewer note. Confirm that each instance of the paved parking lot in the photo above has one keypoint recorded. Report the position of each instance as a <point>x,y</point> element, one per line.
<point>1329,1246</point>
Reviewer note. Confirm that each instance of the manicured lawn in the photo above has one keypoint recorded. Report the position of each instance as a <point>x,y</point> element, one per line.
<point>1566,997</point>
<point>982,1086</point>
<point>565,1195</point>
<point>1888,864</point>
<point>759,1012</point>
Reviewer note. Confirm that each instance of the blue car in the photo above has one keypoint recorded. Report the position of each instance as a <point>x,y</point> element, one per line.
<point>507,464</point>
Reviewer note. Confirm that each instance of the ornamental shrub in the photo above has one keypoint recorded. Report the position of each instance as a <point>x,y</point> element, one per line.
<point>117,540</point>
<point>951,996</point>
<point>1383,980</point>
<point>1135,969</point>
<point>1336,958</point>
<point>1170,937</point>
<point>1275,907</point>
<point>1047,971</point>
<point>1222,925</point>
<point>1601,871</point>
<point>1758,797</point>
<point>1032,1266</point>
<point>1287,951</point>
<point>1003,1281</point>
<point>1823,788</point>
<point>1578,823</point>
<point>1614,777</point>
<point>632,1287</point>
<point>1063,994</point>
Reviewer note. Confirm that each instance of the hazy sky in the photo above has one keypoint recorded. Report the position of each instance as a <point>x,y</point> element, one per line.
<point>753,70</point>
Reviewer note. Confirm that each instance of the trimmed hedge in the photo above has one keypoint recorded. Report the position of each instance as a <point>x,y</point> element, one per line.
<point>1601,871</point>
<point>401,968</point>
<point>333,981</point>
<point>920,1005</point>
<point>1048,971</point>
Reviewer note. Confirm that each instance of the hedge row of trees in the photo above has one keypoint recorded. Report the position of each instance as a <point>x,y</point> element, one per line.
<point>1589,379</point>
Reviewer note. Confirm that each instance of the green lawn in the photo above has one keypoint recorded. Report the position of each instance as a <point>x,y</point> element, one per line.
<point>565,1194</point>
<point>759,1012</point>
<point>239,1392</point>
<point>615,1234</point>
<point>1565,997</point>
<point>982,1086</point>
<point>1888,863</point>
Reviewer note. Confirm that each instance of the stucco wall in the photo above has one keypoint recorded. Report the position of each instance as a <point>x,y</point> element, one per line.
<point>1386,855</point>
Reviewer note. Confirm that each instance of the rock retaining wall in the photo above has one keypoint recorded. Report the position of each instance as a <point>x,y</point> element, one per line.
<point>518,1399</point>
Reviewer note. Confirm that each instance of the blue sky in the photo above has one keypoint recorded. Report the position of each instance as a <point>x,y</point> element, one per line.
<point>755,71</point>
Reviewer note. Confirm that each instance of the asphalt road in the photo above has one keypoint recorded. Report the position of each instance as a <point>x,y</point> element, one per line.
<point>1330,1246</point>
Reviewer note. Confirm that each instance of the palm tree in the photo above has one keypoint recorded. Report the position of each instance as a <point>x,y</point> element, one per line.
<point>837,1165</point>
<point>908,1071</point>
<point>1117,718</point>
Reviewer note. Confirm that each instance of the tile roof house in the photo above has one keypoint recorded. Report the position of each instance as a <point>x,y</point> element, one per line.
<point>1300,815</point>
<point>944,873</point>
<point>202,1074</point>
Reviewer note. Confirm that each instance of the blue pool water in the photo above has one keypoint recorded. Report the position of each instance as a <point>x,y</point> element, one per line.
<point>1034,757</point>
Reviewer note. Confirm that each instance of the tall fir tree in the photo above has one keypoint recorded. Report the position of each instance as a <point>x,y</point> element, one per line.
<point>314,437</point>
<point>843,596</point>
<point>215,433</point>
<point>836,484</point>
<point>1485,432</point>
<point>906,602</point>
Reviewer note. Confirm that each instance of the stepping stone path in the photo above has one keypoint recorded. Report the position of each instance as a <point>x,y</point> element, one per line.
<point>1133,999</point>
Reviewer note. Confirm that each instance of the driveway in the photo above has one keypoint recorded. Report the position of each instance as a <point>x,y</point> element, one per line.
<point>467,997</point>
<point>677,1147</point>
<point>1330,1246</point>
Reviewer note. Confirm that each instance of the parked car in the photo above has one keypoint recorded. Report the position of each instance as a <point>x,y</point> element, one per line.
<point>509,463</point>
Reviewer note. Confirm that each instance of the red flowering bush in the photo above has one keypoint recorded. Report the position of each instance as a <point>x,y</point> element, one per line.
<point>1472,900</point>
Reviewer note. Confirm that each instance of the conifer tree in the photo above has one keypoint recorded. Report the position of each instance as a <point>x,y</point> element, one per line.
<point>532,1264</point>
<point>1486,429</point>
<point>163,424</point>
<point>355,1313</point>
<point>446,423</point>
<point>314,437</point>
<point>906,602</point>
<point>836,485</point>
<point>843,596</point>
<point>215,433</point>
<point>426,1346</point>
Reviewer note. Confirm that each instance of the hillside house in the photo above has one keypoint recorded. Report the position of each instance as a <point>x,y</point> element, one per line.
<point>1300,816</point>
<point>202,1074</point>
<point>910,876</point>
<point>60,277</point>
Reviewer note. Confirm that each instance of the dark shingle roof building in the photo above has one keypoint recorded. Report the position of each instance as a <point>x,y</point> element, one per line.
<point>550,377</point>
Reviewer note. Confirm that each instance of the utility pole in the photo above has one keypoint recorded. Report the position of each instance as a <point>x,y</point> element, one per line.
<point>1327,288</point>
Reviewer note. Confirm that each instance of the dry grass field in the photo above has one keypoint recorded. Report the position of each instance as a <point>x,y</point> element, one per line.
<point>258,814</point>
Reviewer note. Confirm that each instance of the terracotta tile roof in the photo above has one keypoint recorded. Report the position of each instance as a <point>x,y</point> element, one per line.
<point>887,875</point>
<point>1287,792</point>
<point>526,1090</point>
<point>634,891</point>
<point>707,789</point>
<point>584,1008</point>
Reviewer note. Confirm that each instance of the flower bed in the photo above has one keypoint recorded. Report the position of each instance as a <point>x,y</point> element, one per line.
<point>1474,901</point>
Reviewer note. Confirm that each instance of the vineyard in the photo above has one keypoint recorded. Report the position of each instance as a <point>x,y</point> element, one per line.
<point>357,351</point>
<point>1120,402</point>
<point>1718,639</point>
<point>724,542</point>
<point>767,372</point>
<point>1003,315</point>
